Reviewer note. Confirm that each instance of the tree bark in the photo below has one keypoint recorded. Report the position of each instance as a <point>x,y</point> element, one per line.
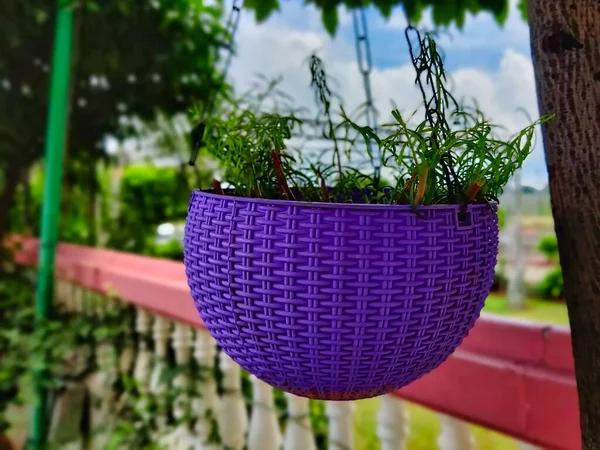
<point>565,37</point>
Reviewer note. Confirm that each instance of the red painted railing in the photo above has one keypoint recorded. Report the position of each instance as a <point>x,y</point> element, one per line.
<point>511,376</point>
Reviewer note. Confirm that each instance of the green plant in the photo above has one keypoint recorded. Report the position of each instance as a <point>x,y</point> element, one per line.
<point>548,246</point>
<point>171,250</point>
<point>111,80</point>
<point>552,286</point>
<point>148,197</point>
<point>501,217</point>
<point>453,155</point>
<point>500,281</point>
<point>27,346</point>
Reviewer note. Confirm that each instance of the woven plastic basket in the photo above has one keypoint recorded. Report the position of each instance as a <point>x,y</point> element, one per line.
<point>337,301</point>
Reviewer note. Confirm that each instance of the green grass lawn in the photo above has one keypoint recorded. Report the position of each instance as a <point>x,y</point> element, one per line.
<point>424,429</point>
<point>424,424</point>
<point>535,310</point>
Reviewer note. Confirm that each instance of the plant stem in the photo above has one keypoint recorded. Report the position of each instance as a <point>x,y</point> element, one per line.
<point>276,157</point>
<point>422,185</point>
<point>474,190</point>
<point>216,184</point>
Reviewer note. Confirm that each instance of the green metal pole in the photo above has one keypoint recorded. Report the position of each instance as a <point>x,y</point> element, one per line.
<point>55,142</point>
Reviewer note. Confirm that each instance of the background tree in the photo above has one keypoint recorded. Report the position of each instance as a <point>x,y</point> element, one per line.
<point>131,59</point>
<point>565,37</point>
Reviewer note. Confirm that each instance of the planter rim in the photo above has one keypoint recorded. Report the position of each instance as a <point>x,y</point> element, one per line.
<point>333,205</point>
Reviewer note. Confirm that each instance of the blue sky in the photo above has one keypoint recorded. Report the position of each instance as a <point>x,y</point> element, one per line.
<point>489,62</point>
<point>482,40</point>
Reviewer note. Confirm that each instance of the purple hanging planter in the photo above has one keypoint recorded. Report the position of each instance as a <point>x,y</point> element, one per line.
<point>338,301</point>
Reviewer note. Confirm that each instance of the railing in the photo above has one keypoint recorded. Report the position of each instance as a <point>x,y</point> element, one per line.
<point>513,377</point>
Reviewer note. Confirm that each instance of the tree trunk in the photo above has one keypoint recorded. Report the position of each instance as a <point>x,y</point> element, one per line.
<point>565,37</point>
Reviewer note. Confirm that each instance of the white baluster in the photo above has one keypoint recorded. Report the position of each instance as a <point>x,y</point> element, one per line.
<point>130,364</point>
<point>298,433</point>
<point>455,435</point>
<point>392,423</point>
<point>76,359</point>
<point>88,304</point>
<point>71,304</point>
<point>340,425</point>
<point>233,419</point>
<point>66,292</point>
<point>100,383</point>
<point>59,292</point>
<point>68,408</point>
<point>76,292</point>
<point>68,297</point>
<point>160,334</point>
<point>127,356</point>
<point>106,357</point>
<point>182,343</point>
<point>264,433</point>
<point>78,302</point>
<point>205,405</point>
<point>141,372</point>
<point>181,437</point>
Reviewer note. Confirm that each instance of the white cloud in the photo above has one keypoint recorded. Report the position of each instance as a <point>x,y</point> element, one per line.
<point>277,47</point>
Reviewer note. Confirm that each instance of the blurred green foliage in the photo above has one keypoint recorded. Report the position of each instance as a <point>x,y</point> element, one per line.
<point>552,286</point>
<point>150,196</point>
<point>171,250</point>
<point>131,59</point>
<point>548,246</point>
<point>500,282</point>
<point>444,12</point>
<point>147,197</point>
<point>16,309</point>
<point>501,218</point>
<point>78,212</point>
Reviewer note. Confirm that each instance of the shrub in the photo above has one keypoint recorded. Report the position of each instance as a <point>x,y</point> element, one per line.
<point>500,281</point>
<point>552,287</point>
<point>171,250</point>
<point>150,196</point>
<point>548,246</point>
<point>501,217</point>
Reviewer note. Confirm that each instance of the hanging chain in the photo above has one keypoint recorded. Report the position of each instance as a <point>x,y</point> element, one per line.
<point>231,28</point>
<point>365,65</point>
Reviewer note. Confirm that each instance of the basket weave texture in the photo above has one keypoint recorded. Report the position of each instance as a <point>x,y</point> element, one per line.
<point>337,301</point>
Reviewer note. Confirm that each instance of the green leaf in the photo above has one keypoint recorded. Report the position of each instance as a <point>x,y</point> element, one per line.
<point>330,19</point>
<point>93,7</point>
<point>445,12</point>
<point>385,7</point>
<point>262,8</point>
<point>522,7</point>
<point>414,10</point>
<point>498,7</point>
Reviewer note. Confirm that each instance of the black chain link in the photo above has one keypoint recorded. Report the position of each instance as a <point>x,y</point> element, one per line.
<point>435,107</point>
<point>365,66</point>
